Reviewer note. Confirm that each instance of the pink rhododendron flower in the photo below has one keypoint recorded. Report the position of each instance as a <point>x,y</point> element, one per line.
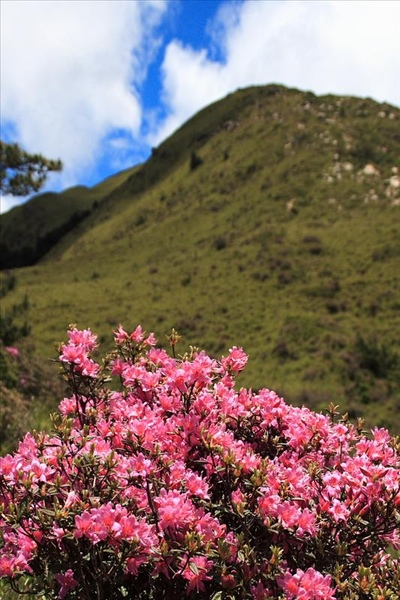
<point>85,339</point>
<point>138,335</point>
<point>68,406</point>
<point>236,360</point>
<point>196,572</point>
<point>174,509</point>
<point>150,340</point>
<point>121,335</point>
<point>67,582</point>
<point>134,563</point>
<point>90,368</point>
<point>309,585</point>
<point>14,352</point>
<point>73,354</point>
<point>160,479</point>
<point>7,565</point>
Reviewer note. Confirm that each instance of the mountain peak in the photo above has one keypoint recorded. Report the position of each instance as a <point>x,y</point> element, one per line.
<point>268,220</point>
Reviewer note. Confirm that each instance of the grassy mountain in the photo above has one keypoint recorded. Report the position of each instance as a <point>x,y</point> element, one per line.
<point>269,220</point>
<point>30,230</point>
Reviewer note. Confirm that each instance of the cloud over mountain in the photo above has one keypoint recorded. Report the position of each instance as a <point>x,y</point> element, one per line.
<point>75,75</point>
<point>71,74</point>
<point>350,48</point>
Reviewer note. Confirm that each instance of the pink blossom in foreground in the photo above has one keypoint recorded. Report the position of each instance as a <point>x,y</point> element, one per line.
<point>85,339</point>
<point>196,572</point>
<point>236,360</point>
<point>167,481</point>
<point>309,585</point>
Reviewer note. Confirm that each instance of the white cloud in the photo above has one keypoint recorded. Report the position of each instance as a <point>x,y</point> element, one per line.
<point>8,202</point>
<point>330,46</point>
<point>70,74</point>
<point>190,82</point>
<point>72,71</point>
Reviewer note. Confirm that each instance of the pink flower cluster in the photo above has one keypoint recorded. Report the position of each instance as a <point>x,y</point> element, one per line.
<point>307,585</point>
<point>76,352</point>
<point>168,481</point>
<point>12,351</point>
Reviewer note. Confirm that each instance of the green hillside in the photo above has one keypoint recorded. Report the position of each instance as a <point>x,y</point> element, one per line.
<point>30,230</point>
<point>270,220</point>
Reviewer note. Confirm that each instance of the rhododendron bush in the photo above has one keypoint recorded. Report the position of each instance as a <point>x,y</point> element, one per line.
<point>163,480</point>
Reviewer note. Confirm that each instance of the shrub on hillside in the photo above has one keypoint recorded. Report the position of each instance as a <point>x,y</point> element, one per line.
<point>29,388</point>
<point>195,161</point>
<point>175,485</point>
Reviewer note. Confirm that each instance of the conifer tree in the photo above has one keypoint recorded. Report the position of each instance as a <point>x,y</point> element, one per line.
<point>22,173</point>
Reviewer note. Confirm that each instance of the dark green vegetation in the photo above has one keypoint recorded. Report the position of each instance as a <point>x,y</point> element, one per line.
<point>22,173</point>
<point>30,230</point>
<point>256,224</point>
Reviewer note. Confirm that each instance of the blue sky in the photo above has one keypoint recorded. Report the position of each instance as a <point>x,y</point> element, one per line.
<point>97,83</point>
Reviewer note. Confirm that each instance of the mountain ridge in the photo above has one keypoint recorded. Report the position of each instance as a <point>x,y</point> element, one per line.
<point>270,221</point>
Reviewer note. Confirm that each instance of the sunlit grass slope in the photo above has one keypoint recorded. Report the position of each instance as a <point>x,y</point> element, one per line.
<point>270,220</point>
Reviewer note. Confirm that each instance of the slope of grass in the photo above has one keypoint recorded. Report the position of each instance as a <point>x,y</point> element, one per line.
<point>255,224</point>
<point>30,230</point>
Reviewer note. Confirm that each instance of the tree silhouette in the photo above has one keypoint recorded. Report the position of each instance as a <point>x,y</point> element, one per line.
<point>22,173</point>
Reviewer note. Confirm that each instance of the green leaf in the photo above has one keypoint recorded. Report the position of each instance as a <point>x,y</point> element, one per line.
<point>193,567</point>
